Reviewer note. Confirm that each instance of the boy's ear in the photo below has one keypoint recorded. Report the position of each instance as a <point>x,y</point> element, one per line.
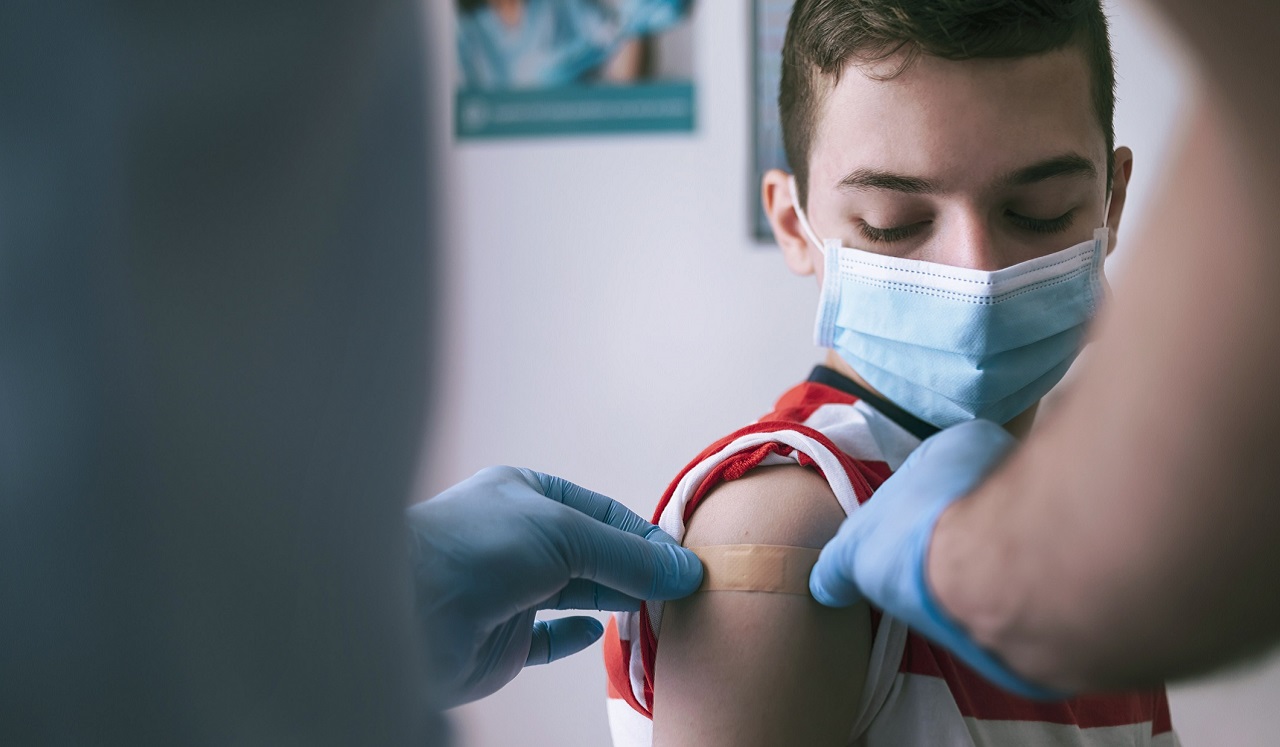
<point>1119,190</point>
<point>779,207</point>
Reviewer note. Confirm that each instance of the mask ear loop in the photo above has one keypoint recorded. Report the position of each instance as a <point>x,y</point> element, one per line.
<point>804,219</point>
<point>1102,245</point>
<point>824,326</point>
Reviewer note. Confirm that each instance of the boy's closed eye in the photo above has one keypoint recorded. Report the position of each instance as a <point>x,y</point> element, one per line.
<point>898,233</point>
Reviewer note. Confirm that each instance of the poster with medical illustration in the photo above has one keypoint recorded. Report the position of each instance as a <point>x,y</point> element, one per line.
<point>770,28</point>
<point>564,67</point>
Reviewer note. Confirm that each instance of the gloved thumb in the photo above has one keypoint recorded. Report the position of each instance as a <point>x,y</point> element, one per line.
<point>642,568</point>
<point>831,581</point>
<point>556,639</point>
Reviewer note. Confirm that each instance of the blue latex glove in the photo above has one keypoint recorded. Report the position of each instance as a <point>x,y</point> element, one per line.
<point>880,551</point>
<point>491,551</point>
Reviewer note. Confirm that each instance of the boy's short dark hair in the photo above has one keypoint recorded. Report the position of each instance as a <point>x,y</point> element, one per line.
<point>824,35</point>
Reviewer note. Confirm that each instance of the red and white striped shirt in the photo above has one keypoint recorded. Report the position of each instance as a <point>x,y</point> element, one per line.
<point>915,693</point>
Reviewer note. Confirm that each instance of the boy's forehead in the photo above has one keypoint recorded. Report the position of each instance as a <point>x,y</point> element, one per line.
<point>958,123</point>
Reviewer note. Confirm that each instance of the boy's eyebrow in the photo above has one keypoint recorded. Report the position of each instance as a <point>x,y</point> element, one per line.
<point>1067,164</point>
<point>861,180</point>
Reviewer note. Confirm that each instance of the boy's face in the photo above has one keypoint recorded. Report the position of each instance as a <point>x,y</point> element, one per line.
<point>976,163</point>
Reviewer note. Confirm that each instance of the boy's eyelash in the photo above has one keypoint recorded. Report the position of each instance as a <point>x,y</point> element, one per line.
<point>1037,225</point>
<point>887,235</point>
<point>901,233</point>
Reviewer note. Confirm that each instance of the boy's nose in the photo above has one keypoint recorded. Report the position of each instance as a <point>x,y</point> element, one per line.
<point>974,245</point>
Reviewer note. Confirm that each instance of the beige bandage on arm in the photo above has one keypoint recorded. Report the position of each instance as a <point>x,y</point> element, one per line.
<point>770,568</point>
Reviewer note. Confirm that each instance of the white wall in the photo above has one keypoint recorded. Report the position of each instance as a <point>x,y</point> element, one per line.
<point>609,316</point>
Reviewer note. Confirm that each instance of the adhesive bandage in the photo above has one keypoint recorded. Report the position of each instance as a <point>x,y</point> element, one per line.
<point>769,568</point>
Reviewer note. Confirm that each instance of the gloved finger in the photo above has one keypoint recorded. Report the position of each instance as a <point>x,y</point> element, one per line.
<point>632,565</point>
<point>599,507</point>
<point>581,594</point>
<point>556,639</point>
<point>831,581</point>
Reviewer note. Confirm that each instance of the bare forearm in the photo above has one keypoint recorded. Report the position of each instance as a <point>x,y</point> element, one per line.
<point>1234,43</point>
<point>1134,537</point>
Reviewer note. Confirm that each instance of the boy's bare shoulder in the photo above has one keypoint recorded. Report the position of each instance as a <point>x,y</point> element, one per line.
<point>780,505</point>
<point>742,668</point>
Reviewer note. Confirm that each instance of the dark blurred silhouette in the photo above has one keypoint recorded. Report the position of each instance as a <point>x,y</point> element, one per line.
<point>215,270</point>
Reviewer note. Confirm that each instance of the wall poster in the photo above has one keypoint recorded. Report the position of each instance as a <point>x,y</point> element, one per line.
<point>770,27</point>
<point>552,67</point>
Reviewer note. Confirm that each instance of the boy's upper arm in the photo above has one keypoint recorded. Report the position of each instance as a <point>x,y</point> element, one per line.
<point>744,668</point>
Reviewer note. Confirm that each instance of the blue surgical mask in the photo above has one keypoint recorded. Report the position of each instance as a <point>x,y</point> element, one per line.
<point>950,344</point>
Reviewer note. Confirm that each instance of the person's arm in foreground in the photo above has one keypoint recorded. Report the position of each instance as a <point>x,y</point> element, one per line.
<point>1134,537</point>
<point>748,667</point>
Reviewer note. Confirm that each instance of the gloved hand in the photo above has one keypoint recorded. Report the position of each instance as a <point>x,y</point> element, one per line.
<point>490,552</point>
<point>880,551</point>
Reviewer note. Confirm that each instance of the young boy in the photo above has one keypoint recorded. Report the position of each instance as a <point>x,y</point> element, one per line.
<point>954,162</point>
